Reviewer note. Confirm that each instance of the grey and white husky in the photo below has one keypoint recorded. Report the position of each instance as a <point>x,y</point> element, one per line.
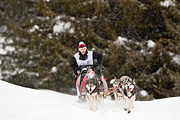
<point>125,92</point>
<point>118,90</point>
<point>129,94</point>
<point>91,93</point>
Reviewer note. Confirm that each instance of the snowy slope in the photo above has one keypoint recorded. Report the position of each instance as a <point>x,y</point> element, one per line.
<point>19,103</point>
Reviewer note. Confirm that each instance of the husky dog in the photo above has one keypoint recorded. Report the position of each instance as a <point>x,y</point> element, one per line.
<point>129,94</point>
<point>118,93</point>
<point>125,92</point>
<point>91,93</point>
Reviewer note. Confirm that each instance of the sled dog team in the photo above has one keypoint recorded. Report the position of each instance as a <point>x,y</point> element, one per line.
<point>93,86</point>
<point>124,90</point>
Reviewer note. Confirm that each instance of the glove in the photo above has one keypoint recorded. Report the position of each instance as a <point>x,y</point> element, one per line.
<point>98,68</point>
<point>78,72</point>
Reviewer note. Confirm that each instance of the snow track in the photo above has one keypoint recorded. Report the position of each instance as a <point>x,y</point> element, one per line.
<point>19,103</point>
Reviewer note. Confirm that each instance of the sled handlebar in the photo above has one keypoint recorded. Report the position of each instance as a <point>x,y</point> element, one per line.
<point>87,67</point>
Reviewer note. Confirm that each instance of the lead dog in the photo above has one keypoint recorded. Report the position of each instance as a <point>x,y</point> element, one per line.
<point>129,94</point>
<point>91,93</point>
<point>125,92</point>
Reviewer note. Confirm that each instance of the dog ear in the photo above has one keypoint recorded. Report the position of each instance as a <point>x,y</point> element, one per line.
<point>112,81</point>
<point>134,82</point>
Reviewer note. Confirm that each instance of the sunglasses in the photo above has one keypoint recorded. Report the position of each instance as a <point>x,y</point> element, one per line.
<point>82,49</point>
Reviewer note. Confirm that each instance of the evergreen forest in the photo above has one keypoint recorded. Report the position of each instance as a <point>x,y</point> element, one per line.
<point>137,38</point>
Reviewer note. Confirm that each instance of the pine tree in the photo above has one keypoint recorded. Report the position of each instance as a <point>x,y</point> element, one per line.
<point>42,55</point>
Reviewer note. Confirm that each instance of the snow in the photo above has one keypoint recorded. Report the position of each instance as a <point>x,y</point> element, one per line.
<point>144,93</point>
<point>121,40</point>
<point>150,43</point>
<point>2,50</point>
<point>2,39</point>
<point>34,28</point>
<point>168,3</point>
<point>54,69</point>
<point>19,103</point>
<point>176,59</point>
<point>46,0</point>
<point>61,26</point>
<point>9,48</point>
<point>6,49</point>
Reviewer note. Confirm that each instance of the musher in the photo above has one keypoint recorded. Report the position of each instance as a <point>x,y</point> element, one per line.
<point>82,58</point>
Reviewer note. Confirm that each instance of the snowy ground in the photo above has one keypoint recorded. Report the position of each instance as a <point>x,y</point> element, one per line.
<point>19,103</point>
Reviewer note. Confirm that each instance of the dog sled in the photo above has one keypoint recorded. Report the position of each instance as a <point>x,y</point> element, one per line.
<point>88,73</point>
